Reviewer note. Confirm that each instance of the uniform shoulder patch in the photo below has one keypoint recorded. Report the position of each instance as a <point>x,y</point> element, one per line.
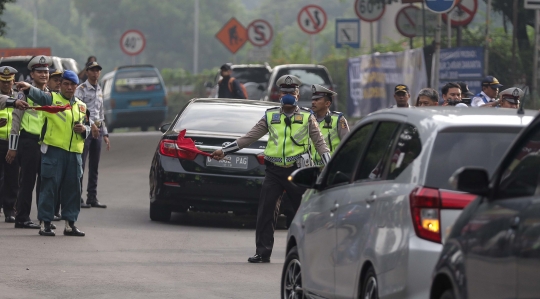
<point>336,112</point>
<point>305,109</point>
<point>273,108</point>
<point>276,118</point>
<point>343,123</point>
<point>82,108</point>
<point>82,86</point>
<point>20,96</point>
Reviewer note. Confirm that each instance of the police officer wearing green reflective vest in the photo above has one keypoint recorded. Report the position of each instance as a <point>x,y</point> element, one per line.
<point>63,143</point>
<point>333,124</point>
<point>24,146</point>
<point>290,129</point>
<point>9,173</point>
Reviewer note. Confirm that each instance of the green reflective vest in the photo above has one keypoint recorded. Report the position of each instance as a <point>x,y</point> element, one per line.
<point>281,149</point>
<point>331,136</point>
<point>59,131</point>
<point>7,114</point>
<point>32,120</point>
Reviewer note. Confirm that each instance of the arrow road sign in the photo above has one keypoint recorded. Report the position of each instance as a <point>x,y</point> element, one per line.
<point>312,19</point>
<point>532,4</point>
<point>260,33</point>
<point>440,6</point>
<point>348,33</point>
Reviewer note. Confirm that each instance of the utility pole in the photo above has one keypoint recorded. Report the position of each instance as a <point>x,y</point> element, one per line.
<point>34,40</point>
<point>437,55</point>
<point>514,38</point>
<point>196,39</point>
<point>487,40</point>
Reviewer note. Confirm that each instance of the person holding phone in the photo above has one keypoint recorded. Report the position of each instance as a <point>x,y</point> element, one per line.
<point>61,163</point>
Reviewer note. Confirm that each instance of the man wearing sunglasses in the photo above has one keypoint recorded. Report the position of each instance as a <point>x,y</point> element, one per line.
<point>488,96</point>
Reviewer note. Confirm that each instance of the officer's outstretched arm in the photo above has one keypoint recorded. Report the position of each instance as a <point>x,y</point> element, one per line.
<point>258,131</point>
<point>39,96</point>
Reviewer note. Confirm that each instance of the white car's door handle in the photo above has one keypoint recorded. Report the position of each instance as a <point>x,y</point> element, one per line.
<point>371,199</point>
<point>334,208</point>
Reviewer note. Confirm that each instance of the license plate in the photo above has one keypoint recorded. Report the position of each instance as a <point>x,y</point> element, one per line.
<point>231,161</point>
<point>139,103</point>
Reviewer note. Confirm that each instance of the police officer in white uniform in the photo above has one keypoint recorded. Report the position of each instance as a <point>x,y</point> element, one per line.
<point>90,93</point>
<point>290,129</point>
<point>488,96</point>
<point>510,98</point>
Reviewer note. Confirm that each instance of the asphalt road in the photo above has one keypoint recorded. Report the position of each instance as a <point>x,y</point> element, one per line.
<point>125,255</point>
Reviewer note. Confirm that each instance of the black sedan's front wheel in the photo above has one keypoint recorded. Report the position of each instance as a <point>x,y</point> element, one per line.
<point>160,212</point>
<point>291,278</point>
<point>370,287</point>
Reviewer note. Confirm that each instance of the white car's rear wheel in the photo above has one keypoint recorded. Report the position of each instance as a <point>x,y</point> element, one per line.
<point>370,287</point>
<point>291,278</point>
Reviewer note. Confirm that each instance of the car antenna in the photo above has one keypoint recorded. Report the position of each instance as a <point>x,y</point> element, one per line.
<point>520,109</point>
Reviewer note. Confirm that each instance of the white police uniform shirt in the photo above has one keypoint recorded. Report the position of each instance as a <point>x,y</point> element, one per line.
<point>478,101</point>
<point>93,98</point>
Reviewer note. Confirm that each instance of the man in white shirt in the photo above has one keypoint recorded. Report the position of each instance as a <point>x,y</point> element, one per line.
<point>488,96</point>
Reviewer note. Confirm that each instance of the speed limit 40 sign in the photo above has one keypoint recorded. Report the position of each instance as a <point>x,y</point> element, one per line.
<point>369,10</point>
<point>132,42</point>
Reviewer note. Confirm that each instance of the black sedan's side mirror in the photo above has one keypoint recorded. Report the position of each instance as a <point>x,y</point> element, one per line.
<point>471,180</point>
<point>164,128</point>
<point>305,177</point>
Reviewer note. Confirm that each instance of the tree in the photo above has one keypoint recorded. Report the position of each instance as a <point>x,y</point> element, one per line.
<point>2,8</point>
<point>525,17</point>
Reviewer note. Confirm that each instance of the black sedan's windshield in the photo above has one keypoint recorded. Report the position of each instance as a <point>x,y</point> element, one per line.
<point>220,117</point>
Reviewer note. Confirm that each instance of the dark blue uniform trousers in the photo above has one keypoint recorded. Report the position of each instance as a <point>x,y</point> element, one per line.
<point>61,173</point>
<point>92,151</point>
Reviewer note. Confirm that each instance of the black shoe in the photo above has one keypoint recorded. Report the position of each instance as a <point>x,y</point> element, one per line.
<point>10,219</point>
<point>53,226</point>
<point>74,231</point>
<point>46,230</point>
<point>27,224</point>
<point>84,205</point>
<point>258,259</point>
<point>57,217</point>
<point>96,204</point>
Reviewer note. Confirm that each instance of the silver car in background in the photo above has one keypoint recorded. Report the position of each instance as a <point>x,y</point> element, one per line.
<point>373,222</point>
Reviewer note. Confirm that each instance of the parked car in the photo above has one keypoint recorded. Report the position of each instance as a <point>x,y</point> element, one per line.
<point>253,76</point>
<point>309,74</point>
<point>371,225</point>
<point>20,63</point>
<point>134,96</point>
<point>180,180</point>
<point>493,250</point>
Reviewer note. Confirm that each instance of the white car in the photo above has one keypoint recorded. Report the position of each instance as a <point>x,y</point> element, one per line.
<point>373,222</point>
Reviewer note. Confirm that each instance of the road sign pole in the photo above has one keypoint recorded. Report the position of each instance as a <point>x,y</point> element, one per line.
<point>486,43</point>
<point>196,39</point>
<point>436,56</point>
<point>449,30</point>
<point>371,36</point>
<point>424,23</point>
<point>311,48</point>
<point>534,83</point>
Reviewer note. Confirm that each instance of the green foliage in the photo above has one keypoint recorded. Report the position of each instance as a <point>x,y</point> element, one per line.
<point>2,8</point>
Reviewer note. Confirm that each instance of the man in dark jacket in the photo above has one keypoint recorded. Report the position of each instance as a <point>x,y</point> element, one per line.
<point>226,89</point>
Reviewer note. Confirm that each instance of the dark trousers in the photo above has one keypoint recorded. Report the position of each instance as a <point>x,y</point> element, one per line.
<point>61,173</point>
<point>275,182</point>
<point>92,151</point>
<point>9,180</point>
<point>29,159</point>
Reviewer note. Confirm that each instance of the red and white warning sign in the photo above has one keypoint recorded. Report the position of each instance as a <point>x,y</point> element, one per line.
<point>260,33</point>
<point>132,42</point>
<point>463,13</point>
<point>369,10</point>
<point>312,19</point>
<point>406,20</point>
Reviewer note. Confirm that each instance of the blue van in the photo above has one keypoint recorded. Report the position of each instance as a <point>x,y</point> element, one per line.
<point>134,96</point>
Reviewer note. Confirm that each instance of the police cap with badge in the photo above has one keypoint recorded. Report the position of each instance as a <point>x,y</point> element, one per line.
<point>93,64</point>
<point>39,63</point>
<point>7,73</point>
<point>54,72</point>
<point>288,83</point>
<point>319,91</point>
<point>512,95</point>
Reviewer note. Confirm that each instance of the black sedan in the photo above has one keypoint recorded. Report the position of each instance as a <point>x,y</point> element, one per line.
<point>180,180</point>
<point>493,250</point>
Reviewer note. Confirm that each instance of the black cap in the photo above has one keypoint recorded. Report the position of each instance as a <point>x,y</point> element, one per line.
<point>465,92</point>
<point>225,67</point>
<point>401,87</point>
<point>491,81</point>
<point>93,64</point>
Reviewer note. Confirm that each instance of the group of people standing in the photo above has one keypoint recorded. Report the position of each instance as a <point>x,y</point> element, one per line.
<point>458,94</point>
<point>44,144</point>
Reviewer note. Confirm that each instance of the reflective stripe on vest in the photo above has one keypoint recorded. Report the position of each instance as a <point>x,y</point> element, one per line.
<point>331,137</point>
<point>5,130</point>
<point>59,131</point>
<point>480,95</point>
<point>281,149</point>
<point>32,121</point>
